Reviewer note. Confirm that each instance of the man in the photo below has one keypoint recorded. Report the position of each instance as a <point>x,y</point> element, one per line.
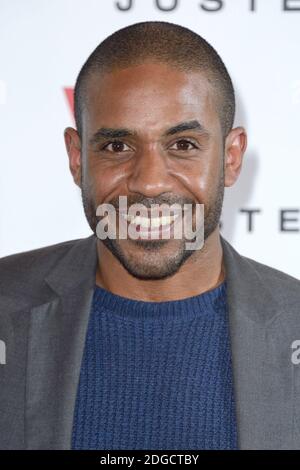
<point>141,343</point>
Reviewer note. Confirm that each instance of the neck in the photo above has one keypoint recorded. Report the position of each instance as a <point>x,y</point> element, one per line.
<point>203,271</point>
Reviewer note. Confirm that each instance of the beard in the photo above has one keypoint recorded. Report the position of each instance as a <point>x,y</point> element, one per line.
<point>155,259</point>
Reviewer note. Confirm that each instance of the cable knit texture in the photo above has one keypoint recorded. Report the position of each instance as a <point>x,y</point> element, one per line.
<point>156,375</point>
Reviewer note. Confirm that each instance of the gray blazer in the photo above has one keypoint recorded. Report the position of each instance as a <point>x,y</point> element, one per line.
<point>45,298</point>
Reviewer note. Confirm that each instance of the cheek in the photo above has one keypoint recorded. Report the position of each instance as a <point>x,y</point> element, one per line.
<point>105,182</point>
<point>211,174</point>
<point>201,179</point>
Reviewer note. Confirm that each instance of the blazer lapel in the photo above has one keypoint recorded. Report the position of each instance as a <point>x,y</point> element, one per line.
<point>262,368</point>
<point>55,346</point>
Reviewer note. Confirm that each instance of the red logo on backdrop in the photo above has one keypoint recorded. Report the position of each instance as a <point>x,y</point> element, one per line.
<point>69,94</point>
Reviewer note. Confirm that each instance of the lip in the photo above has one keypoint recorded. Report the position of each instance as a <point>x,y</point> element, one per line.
<point>149,213</point>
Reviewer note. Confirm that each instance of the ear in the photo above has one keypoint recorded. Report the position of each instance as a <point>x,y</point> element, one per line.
<point>235,146</point>
<point>73,146</point>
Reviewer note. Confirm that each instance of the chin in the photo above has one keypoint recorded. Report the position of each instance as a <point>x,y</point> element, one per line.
<point>156,261</point>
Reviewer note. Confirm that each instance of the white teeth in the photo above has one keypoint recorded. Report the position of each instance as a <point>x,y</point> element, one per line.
<point>156,222</point>
<point>145,221</point>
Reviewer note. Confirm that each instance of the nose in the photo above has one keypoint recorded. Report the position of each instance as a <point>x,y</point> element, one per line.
<point>150,175</point>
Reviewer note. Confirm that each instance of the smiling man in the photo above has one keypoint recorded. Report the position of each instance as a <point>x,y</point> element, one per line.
<point>141,342</point>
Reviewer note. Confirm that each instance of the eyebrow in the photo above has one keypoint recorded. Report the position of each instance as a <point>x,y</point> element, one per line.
<point>186,126</point>
<point>110,133</point>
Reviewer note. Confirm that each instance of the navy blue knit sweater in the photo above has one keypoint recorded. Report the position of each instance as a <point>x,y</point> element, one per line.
<point>156,375</point>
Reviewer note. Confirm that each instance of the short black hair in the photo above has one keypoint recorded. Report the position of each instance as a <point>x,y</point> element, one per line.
<point>163,42</point>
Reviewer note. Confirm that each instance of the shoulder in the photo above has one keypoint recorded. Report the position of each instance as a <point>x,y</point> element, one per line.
<point>279,281</point>
<point>282,285</point>
<point>21,267</point>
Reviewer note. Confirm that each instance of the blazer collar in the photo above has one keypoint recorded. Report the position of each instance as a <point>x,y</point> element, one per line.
<point>78,266</point>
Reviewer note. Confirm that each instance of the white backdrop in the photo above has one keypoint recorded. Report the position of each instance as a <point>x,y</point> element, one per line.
<point>43,44</point>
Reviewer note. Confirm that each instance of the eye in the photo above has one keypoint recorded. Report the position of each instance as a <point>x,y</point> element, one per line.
<point>116,146</point>
<point>183,145</point>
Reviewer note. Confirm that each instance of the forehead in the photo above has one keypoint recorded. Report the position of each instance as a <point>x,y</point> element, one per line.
<point>149,95</point>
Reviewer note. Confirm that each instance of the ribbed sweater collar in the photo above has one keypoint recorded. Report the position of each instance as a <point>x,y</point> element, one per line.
<point>207,303</point>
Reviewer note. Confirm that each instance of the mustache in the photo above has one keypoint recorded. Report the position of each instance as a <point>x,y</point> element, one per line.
<point>159,200</point>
